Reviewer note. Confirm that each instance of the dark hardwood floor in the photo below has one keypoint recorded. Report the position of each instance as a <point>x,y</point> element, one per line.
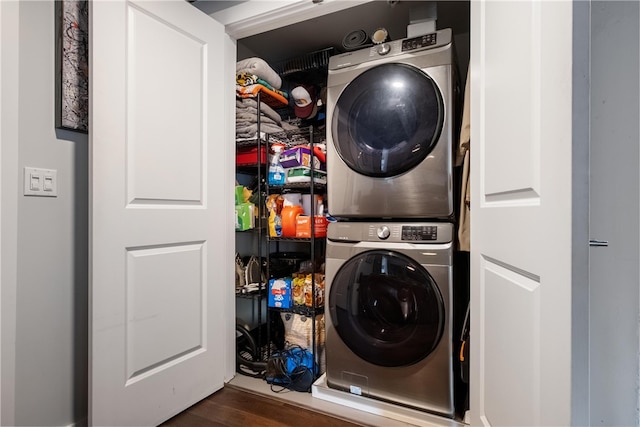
<point>234,407</point>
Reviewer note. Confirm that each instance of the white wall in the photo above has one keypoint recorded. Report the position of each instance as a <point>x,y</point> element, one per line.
<point>615,213</point>
<point>52,242</point>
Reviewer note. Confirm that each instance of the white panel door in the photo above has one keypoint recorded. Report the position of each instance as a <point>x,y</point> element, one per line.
<point>521,241</point>
<point>158,210</point>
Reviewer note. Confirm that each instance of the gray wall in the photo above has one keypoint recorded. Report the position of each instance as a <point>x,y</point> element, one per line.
<point>52,252</point>
<point>615,213</point>
<point>9,12</point>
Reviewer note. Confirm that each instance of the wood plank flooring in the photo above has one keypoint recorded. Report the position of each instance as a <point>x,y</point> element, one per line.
<point>234,407</point>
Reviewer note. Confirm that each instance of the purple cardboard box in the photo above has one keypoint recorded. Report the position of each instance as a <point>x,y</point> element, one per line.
<point>299,156</point>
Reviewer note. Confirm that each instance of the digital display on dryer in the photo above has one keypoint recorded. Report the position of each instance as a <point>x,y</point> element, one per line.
<point>419,42</point>
<point>420,232</point>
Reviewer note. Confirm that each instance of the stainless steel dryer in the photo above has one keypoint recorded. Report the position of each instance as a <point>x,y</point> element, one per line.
<point>390,123</point>
<point>390,302</point>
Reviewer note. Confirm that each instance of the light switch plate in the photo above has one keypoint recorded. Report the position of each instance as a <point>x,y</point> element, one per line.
<point>40,182</point>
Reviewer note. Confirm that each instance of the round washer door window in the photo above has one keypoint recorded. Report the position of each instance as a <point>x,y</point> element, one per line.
<point>386,308</point>
<point>387,120</point>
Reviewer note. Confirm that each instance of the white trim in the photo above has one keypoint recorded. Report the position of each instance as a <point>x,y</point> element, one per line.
<point>413,417</point>
<point>229,234</point>
<point>254,17</point>
<point>1,204</point>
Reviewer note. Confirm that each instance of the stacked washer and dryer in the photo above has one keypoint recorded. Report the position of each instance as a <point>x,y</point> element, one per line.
<point>389,263</point>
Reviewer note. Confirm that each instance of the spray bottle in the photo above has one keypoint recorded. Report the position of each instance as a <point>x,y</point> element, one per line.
<point>276,175</point>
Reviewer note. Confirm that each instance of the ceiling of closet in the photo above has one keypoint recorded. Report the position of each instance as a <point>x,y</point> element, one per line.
<point>329,31</point>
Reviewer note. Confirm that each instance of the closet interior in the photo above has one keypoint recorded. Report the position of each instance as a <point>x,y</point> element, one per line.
<point>282,207</point>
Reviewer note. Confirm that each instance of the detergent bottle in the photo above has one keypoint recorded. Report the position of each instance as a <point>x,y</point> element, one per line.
<point>289,219</point>
<point>276,175</point>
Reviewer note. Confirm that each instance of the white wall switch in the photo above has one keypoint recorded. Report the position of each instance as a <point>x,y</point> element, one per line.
<point>40,182</point>
<point>47,184</point>
<point>35,179</point>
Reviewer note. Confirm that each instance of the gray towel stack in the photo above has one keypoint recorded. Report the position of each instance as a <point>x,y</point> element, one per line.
<point>247,119</point>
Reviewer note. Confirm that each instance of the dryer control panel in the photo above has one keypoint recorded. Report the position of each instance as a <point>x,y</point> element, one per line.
<point>419,42</point>
<point>419,232</point>
<point>413,45</point>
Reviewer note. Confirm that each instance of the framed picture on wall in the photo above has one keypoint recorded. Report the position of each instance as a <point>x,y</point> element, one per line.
<point>72,65</point>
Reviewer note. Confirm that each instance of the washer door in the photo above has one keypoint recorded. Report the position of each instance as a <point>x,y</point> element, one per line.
<point>386,308</point>
<point>387,120</point>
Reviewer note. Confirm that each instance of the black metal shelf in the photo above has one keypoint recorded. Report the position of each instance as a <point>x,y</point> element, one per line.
<point>259,229</point>
<point>302,310</point>
<point>249,169</point>
<point>289,239</point>
<point>320,188</point>
<point>252,294</point>
<point>314,248</point>
<point>305,136</point>
<point>246,143</point>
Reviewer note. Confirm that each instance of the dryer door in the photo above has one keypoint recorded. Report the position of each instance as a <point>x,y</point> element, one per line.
<point>387,120</point>
<point>386,308</point>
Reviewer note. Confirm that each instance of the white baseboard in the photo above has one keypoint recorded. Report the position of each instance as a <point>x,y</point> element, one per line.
<point>320,390</point>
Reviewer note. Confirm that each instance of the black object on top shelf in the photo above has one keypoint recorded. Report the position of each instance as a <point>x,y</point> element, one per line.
<point>312,61</point>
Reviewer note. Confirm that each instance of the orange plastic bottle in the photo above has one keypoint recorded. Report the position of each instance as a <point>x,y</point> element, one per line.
<point>289,215</point>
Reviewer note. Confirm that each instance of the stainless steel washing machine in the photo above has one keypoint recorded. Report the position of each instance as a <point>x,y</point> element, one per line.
<point>390,302</point>
<point>390,129</point>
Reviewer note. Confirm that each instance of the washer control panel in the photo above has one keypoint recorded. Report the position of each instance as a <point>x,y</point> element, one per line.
<point>419,42</point>
<point>419,232</point>
<point>415,233</point>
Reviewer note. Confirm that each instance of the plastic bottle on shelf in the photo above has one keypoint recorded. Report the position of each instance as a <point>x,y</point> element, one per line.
<point>289,219</point>
<point>276,175</point>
